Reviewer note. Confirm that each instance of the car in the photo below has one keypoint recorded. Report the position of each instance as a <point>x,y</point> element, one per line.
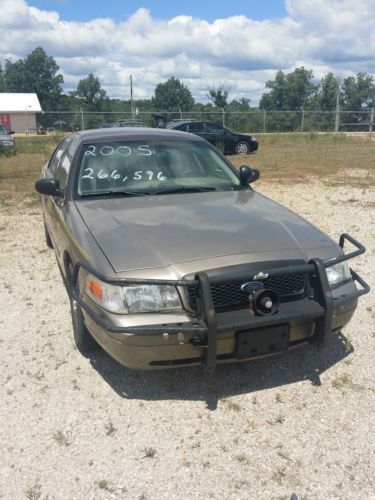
<point>129,123</point>
<point>170,258</point>
<point>223,139</point>
<point>7,143</point>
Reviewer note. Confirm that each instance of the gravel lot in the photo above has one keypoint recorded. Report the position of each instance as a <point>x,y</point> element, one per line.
<point>73,427</point>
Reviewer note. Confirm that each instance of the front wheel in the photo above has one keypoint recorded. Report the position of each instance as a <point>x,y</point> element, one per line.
<point>242,148</point>
<point>82,337</point>
<point>47,237</point>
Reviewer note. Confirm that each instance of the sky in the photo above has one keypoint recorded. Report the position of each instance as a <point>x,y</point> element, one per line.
<point>239,43</point>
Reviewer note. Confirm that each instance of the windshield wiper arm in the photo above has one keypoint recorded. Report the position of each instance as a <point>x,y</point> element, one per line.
<point>185,189</point>
<point>114,193</point>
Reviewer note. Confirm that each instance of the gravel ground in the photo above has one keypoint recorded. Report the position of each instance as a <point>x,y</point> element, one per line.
<point>74,427</point>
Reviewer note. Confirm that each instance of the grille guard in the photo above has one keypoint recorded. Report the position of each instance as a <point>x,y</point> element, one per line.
<point>205,325</point>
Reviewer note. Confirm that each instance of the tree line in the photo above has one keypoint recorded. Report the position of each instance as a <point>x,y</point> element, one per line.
<point>288,92</point>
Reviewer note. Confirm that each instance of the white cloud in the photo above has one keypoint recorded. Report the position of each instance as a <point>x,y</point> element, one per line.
<point>326,36</point>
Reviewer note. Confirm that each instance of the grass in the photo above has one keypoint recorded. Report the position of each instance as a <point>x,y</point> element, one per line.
<point>335,159</point>
<point>282,158</point>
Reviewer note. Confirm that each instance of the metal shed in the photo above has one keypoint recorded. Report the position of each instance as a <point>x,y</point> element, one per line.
<point>18,111</point>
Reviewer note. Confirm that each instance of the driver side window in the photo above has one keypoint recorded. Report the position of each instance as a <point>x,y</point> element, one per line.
<point>58,154</point>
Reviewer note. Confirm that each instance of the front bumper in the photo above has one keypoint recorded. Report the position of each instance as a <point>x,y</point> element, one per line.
<point>212,337</point>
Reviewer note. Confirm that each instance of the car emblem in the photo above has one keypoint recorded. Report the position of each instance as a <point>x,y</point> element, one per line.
<point>251,286</point>
<point>260,276</point>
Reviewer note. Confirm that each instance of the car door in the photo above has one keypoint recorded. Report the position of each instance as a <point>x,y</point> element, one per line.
<point>50,172</point>
<point>58,208</point>
<point>216,135</point>
<point>196,128</point>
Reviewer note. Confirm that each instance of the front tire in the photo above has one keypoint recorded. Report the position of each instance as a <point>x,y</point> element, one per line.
<point>82,337</point>
<point>47,237</point>
<point>242,148</point>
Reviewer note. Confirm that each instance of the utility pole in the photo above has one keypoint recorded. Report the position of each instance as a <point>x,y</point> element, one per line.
<point>131,97</point>
<point>371,119</point>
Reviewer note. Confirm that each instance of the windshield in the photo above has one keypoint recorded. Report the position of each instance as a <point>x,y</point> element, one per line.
<point>150,167</point>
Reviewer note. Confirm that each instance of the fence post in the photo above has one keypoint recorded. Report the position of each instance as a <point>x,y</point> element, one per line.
<point>223,110</point>
<point>82,120</point>
<point>264,121</point>
<point>371,119</point>
<point>302,118</point>
<point>337,117</point>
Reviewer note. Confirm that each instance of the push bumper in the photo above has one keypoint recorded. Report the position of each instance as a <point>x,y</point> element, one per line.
<point>212,337</point>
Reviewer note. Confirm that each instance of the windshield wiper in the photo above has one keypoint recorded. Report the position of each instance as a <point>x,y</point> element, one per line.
<point>184,189</point>
<point>115,193</point>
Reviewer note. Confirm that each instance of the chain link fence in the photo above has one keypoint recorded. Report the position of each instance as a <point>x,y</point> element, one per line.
<point>240,121</point>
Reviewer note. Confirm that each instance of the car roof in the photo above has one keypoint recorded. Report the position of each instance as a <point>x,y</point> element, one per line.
<point>185,122</point>
<point>117,133</point>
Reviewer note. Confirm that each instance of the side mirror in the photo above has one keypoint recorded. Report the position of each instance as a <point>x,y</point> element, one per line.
<point>11,131</point>
<point>248,175</point>
<point>50,187</point>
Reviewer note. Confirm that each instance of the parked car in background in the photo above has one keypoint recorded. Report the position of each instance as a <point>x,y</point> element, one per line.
<point>7,143</point>
<point>228,142</point>
<point>170,258</point>
<point>129,123</point>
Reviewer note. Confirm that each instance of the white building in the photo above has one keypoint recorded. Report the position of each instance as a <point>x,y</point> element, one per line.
<point>18,111</point>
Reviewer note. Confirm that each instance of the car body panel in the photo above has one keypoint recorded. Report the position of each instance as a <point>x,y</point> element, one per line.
<point>159,231</point>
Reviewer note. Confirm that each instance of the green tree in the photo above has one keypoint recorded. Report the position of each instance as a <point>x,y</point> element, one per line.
<point>2,79</point>
<point>172,95</point>
<point>90,93</point>
<point>219,95</point>
<point>15,76</point>
<point>327,96</point>
<point>358,93</point>
<point>36,73</point>
<point>289,92</point>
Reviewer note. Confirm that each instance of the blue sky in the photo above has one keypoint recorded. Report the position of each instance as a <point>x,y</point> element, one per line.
<point>239,43</point>
<point>81,10</point>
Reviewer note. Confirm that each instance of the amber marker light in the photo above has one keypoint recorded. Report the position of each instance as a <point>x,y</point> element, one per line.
<point>95,289</point>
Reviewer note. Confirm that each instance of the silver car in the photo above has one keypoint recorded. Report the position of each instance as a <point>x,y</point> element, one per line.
<point>170,258</point>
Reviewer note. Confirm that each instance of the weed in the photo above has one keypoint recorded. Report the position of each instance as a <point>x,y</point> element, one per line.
<point>34,492</point>
<point>110,428</point>
<point>279,474</point>
<point>242,458</point>
<point>61,438</point>
<point>104,485</point>
<point>149,452</point>
<point>278,398</point>
<point>232,405</point>
<point>75,384</point>
<point>348,346</point>
<point>342,381</point>
<point>280,418</point>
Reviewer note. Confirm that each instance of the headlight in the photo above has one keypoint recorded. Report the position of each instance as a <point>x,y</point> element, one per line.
<point>338,273</point>
<point>253,138</point>
<point>7,143</point>
<point>132,299</point>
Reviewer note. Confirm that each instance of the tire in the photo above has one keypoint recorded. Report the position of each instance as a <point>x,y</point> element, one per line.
<point>83,339</point>
<point>242,148</point>
<point>47,237</point>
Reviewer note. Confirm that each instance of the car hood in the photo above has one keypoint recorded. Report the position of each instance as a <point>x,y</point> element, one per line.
<point>159,231</point>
